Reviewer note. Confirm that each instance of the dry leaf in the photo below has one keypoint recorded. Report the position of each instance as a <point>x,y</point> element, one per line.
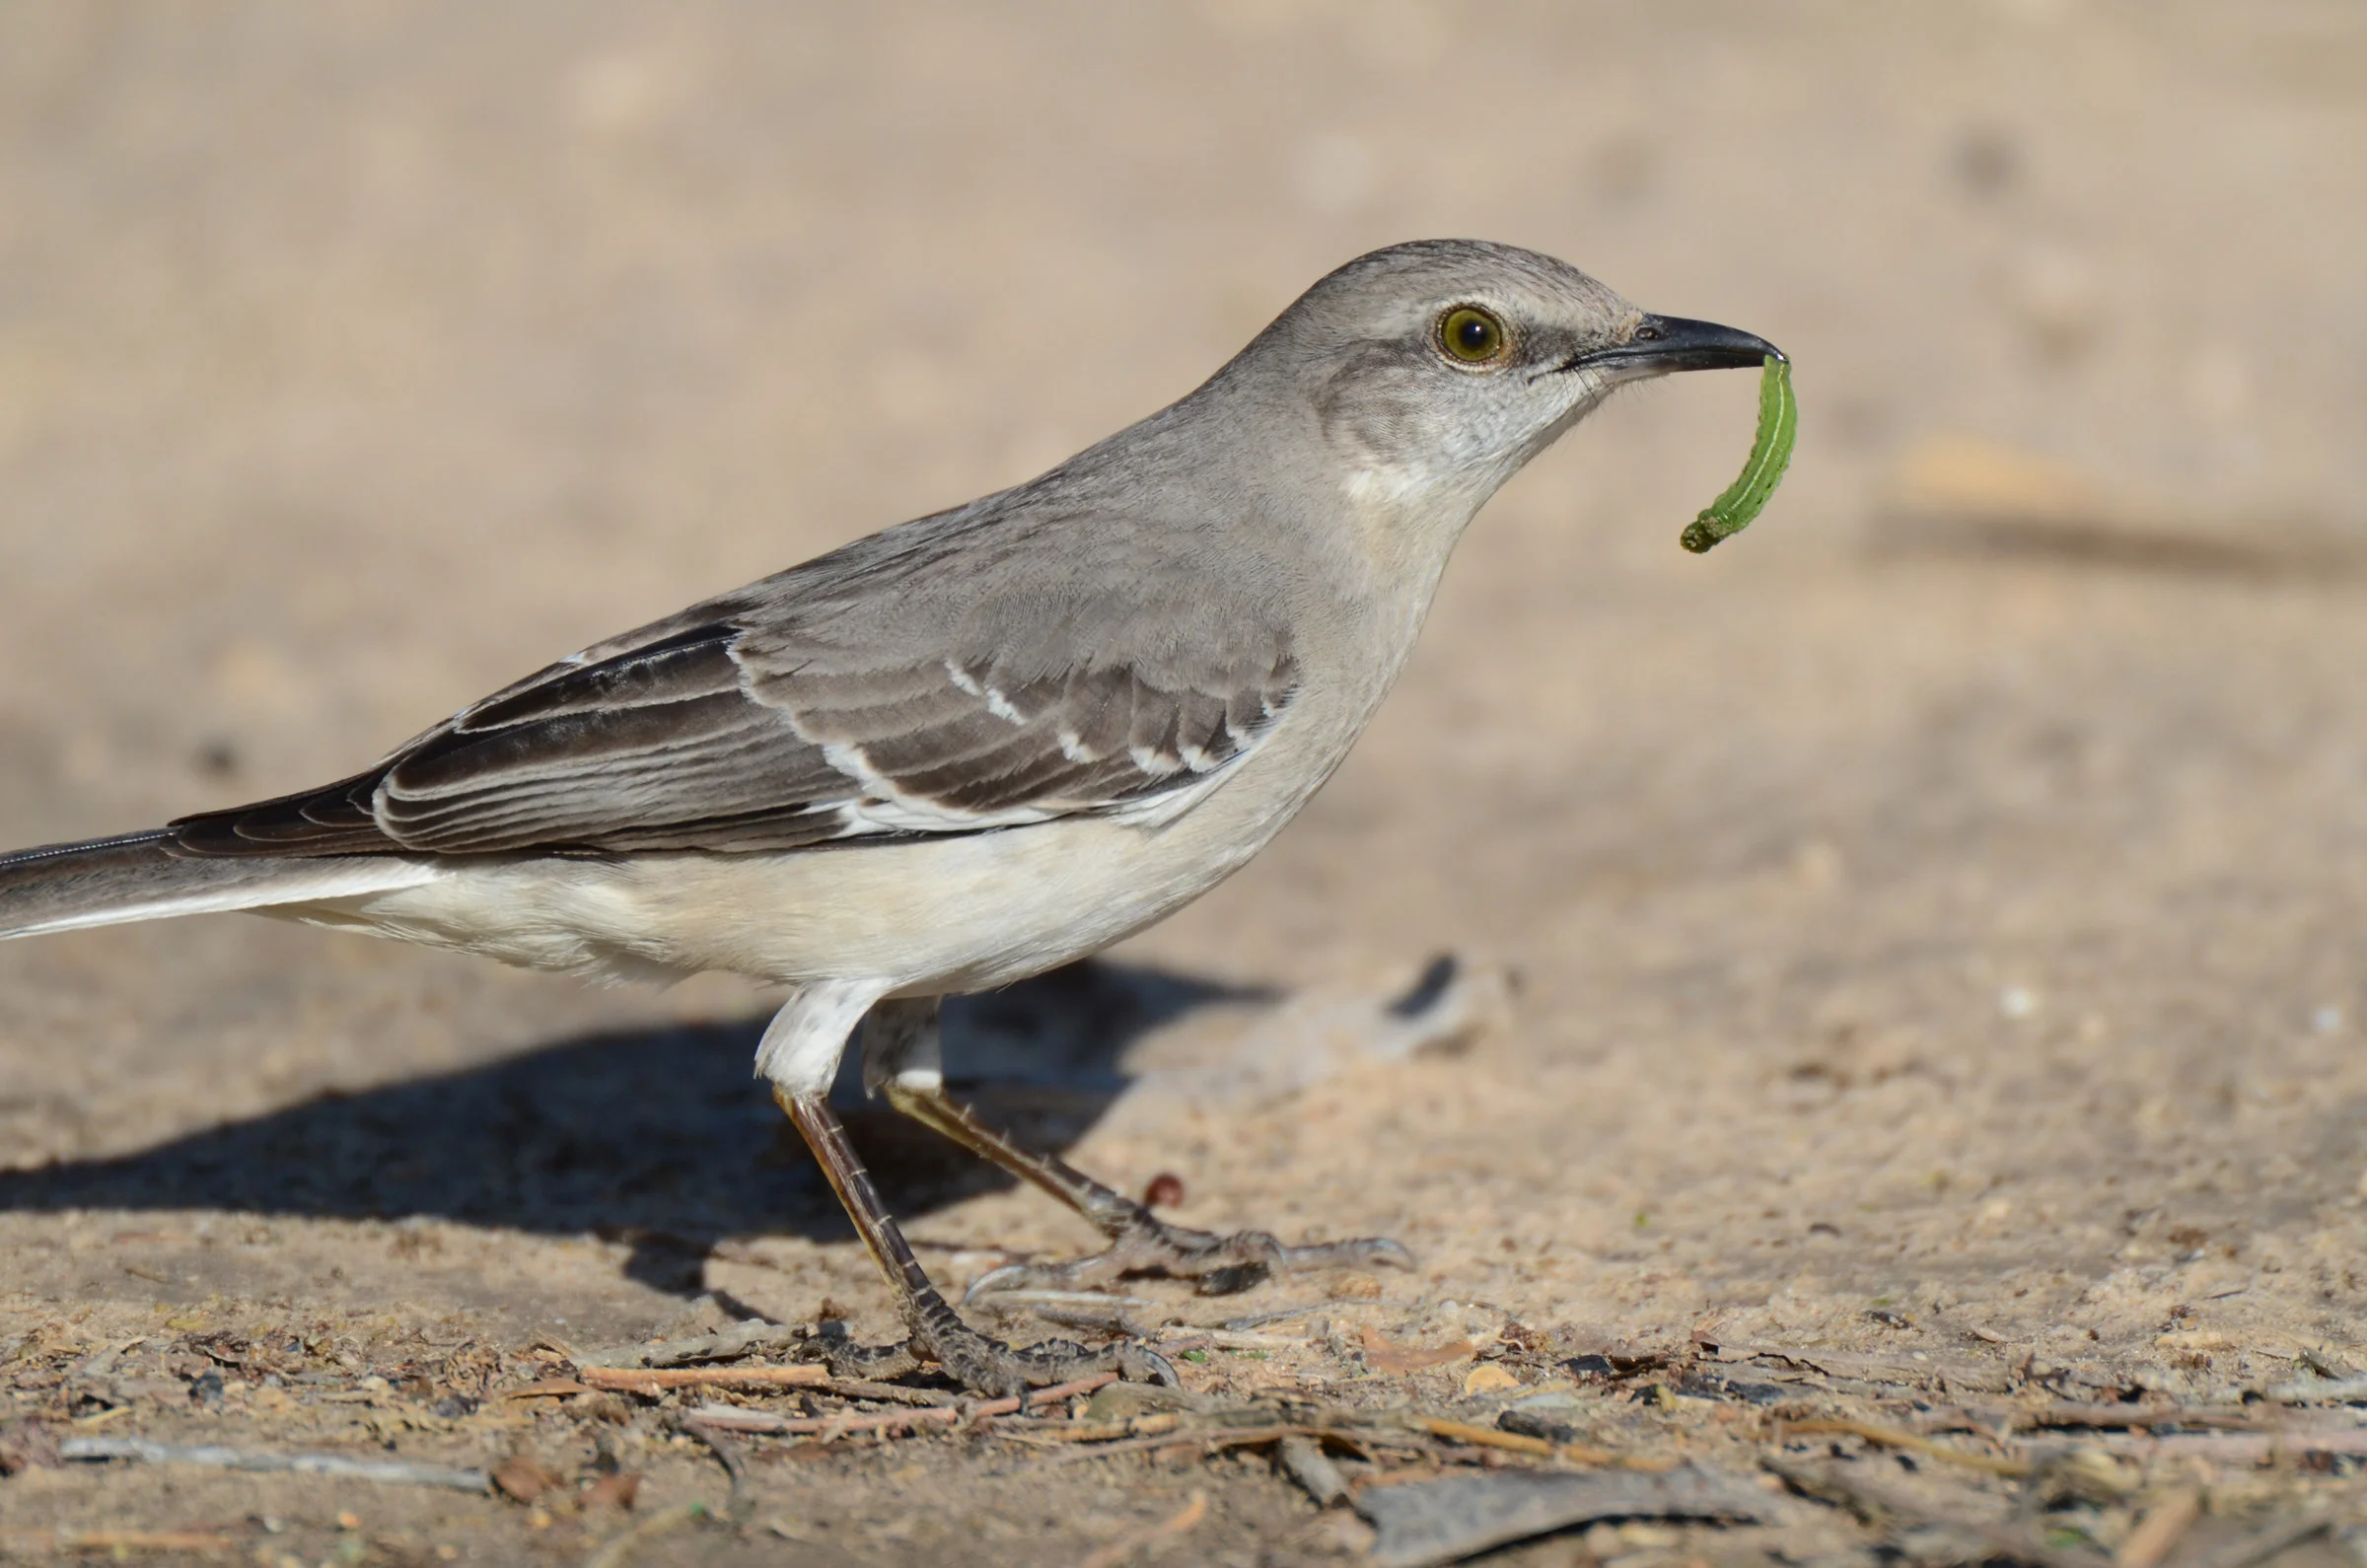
<point>524,1478</point>
<point>614,1492</point>
<point>547,1388</point>
<point>1489,1378</point>
<point>1391,1359</point>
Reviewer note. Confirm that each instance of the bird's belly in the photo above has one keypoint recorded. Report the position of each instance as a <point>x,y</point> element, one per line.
<point>919,917</point>
<point>927,917</point>
<point>922,916</point>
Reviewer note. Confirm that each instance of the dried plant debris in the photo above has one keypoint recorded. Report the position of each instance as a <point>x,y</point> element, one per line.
<point>218,1457</point>
<point>1453,1517</point>
<point>1430,1434</point>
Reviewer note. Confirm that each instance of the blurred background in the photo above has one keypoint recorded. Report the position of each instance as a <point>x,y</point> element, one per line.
<point>1982,831</point>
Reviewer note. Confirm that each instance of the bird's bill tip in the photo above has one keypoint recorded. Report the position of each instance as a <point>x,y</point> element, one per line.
<point>1662,343</point>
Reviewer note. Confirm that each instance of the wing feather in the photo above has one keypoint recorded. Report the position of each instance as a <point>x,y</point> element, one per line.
<point>805,711</point>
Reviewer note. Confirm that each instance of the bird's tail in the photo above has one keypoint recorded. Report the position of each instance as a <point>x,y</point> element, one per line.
<point>108,882</point>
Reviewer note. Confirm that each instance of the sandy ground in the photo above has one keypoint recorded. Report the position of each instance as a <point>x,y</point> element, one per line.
<point>1936,913</point>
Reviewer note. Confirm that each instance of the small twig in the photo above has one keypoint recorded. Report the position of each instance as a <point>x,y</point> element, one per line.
<point>726,1454</point>
<point>2164,1523</point>
<point>657,1380</point>
<point>1213,1438</point>
<point>1304,1462</point>
<point>1056,1434</point>
<point>1261,1321</point>
<point>1891,1437</point>
<point>120,1542</point>
<point>755,1334</point>
<point>885,1393</point>
<point>1117,1552</point>
<point>1489,1437</point>
<point>2322,1360</point>
<point>1230,1339</point>
<point>393,1472</point>
<point>2113,1418</point>
<point>726,1418</point>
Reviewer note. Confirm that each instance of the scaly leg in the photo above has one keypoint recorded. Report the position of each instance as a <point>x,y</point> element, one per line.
<point>901,1054</point>
<point>798,1058</point>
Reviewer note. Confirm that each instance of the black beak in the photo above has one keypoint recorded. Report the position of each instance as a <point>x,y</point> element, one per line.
<point>1664,343</point>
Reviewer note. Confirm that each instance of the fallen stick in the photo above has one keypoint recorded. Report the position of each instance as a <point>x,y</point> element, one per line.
<point>738,1341</point>
<point>2164,1523</point>
<point>1489,1437</point>
<point>1304,1462</point>
<point>657,1380</point>
<point>1891,1437</point>
<point>729,1418</point>
<point>2113,1418</point>
<point>113,1540</point>
<point>391,1472</point>
<point>726,1454</point>
<point>886,1392</point>
<point>1060,1432</point>
<point>1242,1436</point>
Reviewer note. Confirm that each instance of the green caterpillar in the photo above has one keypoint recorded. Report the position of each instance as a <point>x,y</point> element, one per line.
<point>1771,455</point>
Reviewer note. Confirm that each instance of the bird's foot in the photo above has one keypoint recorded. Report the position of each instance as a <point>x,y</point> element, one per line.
<point>983,1365</point>
<point>1219,1264</point>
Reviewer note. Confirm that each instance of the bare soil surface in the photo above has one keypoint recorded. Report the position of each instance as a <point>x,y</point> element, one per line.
<point>1936,915</point>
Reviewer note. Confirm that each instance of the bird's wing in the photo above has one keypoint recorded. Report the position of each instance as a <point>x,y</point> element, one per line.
<point>774,720</point>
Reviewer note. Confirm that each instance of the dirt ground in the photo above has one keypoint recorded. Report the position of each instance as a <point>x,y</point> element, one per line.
<point>1935,915</point>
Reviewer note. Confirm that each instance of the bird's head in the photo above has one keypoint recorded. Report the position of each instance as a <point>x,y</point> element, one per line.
<point>1436,369</point>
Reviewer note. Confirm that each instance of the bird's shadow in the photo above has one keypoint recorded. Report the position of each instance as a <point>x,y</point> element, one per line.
<point>660,1137</point>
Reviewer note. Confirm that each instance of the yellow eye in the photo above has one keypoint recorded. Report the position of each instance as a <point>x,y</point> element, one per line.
<point>1471,335</point>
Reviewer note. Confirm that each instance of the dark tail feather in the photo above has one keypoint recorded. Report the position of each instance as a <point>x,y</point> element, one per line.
<point>107,882</point>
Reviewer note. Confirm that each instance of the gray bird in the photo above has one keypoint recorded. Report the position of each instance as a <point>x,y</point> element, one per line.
<point>967,749</point>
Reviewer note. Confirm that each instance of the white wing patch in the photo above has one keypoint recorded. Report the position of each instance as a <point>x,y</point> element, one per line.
<point>996,703</point>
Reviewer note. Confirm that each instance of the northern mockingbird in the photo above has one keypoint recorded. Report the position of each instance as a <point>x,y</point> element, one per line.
<point>969,747</point>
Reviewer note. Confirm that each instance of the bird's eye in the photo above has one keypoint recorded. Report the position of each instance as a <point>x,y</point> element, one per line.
<point>1471,335</point>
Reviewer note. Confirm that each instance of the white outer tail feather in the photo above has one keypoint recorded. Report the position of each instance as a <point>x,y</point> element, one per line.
<point>117,881</point>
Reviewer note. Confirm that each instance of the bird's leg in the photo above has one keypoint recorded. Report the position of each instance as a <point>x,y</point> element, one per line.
<point>979,1364</point>
<point>902,1056</point>
<point>800,1054</point>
